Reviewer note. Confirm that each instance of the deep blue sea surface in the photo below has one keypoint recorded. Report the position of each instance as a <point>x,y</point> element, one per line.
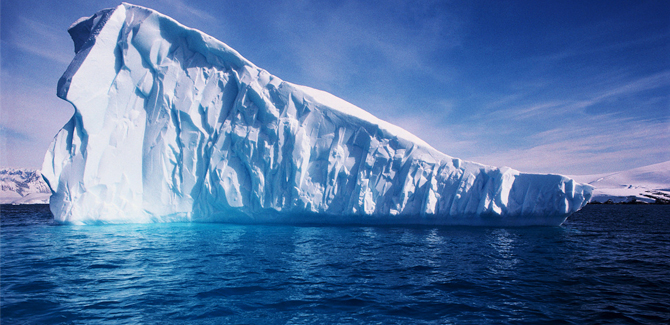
<point>606,264</point>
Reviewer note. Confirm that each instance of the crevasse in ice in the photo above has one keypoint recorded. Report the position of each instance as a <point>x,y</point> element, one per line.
<point>173,125</point>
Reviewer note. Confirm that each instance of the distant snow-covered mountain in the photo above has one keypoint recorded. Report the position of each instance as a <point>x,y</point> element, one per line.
<point>647,184</point>
<point>23,186</point>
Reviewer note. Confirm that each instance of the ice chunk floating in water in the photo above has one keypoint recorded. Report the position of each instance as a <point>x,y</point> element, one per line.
<point>173,125</point>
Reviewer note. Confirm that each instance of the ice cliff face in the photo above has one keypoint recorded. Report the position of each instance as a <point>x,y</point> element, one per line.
<point>173,125</point>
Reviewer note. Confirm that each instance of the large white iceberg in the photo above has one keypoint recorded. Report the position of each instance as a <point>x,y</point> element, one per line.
<point>171,124</point>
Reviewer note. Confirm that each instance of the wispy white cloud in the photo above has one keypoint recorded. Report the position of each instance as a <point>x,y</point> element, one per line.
<point>331,46</point>
<point>188,9</point>
<point>42,40</point>
<point>590,146</point>
<point>571,105</point>
<point>656,80</point>
<point>585,47</point>
<point>532,111</point>
<point>555,135</point>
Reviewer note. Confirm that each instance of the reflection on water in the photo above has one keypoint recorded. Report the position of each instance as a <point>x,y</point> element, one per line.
<point>503,243</point>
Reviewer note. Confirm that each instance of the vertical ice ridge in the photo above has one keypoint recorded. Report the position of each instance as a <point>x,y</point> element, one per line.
<point>173,125</point>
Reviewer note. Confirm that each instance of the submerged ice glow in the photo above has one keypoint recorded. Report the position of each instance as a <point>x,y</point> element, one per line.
<point>173,125</point>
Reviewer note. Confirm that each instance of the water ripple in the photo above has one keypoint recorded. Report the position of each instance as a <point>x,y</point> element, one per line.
<point>607,264</point>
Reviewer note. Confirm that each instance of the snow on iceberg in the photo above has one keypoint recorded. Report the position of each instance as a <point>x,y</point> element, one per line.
<point>171,124</point>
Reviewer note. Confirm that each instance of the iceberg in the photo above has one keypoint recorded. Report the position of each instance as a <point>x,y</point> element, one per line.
<point>172,125</point>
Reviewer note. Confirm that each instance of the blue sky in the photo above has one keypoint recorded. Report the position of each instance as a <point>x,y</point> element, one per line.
<point>572,87</point>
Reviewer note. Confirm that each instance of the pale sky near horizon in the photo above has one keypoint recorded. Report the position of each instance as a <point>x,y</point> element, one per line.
<point>571,87</point>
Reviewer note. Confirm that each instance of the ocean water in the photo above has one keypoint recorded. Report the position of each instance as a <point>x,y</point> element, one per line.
<point>606,264</point>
